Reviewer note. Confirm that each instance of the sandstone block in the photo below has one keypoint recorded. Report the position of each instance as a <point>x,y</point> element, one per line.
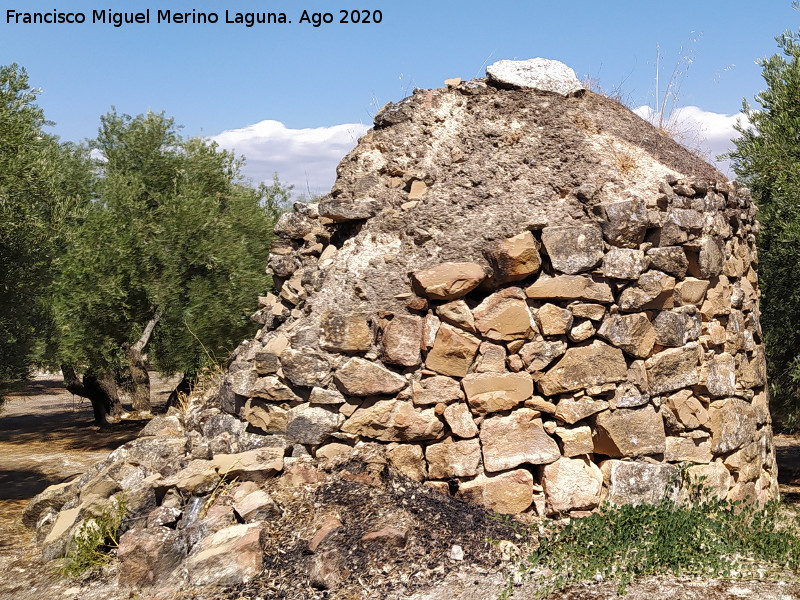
<point>325,396</point>
<point>575,441</point>
<point>569,287</point>
<point>629,432</point>
<point>582,310</point>
<point>452,352</point>
<point>514,258</point>
<point>687,409</point>
<point>266,417</point>
<point>673,369</point>
<point>150,556</point>
<point>573,248</point>
<point>448,281</point>
<point>516,439</point>
<point>409,459</point>
<point>652,290</point>
<point>256,506</point>
<point>733,424</point>
<point>230,556</point>
<point>492,358</point>
<point>402,340</point>
<point>504,316</point>
<point>254,465</point>
<point>554,320</point>
<point>572,484</point>
<point>345,332</point>
<point>308,424</point>
<point>359,377</point>
<point>492,392</point>
<point>306,367</point>
<point>721,379</point>
<point>694,450</point>
<point>394,421</point>
<point>506,493</point>
<point>691,291</point>
<point>459,418</point>
<point>670,259</point>
<point>435,390</point>
<point>451,458</point>
<point>457,313</point>
<point>537,355</point>
<point>348,210</point>
<point>718,299</point>
<point>572,410</point>
<point>624,222</point>
<point>633,334</point>
<point>628,395</point>
<point>714,480</point>
<point>583,367</point>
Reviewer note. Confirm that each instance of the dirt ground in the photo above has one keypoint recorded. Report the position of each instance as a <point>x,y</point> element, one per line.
<point>47,436</point>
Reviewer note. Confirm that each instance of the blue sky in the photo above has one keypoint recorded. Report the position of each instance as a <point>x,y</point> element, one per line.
<point>318,87</point>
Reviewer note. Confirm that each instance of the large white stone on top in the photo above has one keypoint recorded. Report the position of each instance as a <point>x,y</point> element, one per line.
<point>537,73</point>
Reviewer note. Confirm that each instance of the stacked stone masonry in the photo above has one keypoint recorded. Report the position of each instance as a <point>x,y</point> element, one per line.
<point>521,318</point>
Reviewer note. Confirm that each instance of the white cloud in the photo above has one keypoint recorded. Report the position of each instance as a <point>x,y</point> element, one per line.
<point>305,158</point>
<point>709,132</point>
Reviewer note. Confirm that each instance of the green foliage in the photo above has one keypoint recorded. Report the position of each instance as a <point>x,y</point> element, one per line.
<point>767,160</point>
<point>96,536</point>
<point>709,538</point>
<point>43,185</point>
<point>171,232</point>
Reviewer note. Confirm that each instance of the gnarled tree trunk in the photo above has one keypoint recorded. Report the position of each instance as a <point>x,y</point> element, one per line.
<point>138,369</point>
<point>100,389</point>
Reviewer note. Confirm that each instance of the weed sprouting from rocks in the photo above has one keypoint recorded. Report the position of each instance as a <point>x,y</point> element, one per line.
<point>95,537</point>
<point>709,538</point>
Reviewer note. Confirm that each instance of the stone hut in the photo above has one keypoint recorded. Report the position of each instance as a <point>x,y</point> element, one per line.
<point>531,297</point>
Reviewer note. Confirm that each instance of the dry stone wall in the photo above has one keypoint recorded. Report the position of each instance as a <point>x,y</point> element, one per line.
<point>534,301</point>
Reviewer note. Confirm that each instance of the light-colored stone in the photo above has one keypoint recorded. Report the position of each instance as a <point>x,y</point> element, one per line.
<point>340,210</point>
<point>637,483</point>
<point>713,479</point>
<point>572,410</point>
<point>256,506</point>
<point>629,432</point>
<point>628,395</point>
<point>229,556</point>
<point>733,424</point>
<point>573,248</point>
<point>325,396</point>
<point>449,280</point>
<point>332,451</point>
<point>197,478</point>
<point>272,389</point>
<point>409,459</point>
<point>254,465</point>
<point>516,439</point>
<point>536,356</point>
<point>360,377</point>
<point>624,222</point>
<point>150,556</point>
<point>394,421</point>
<point>435,390</point>
<point>653,289</point>
<point>746,462</point>
<point>575,441</point>
<point>492,392</point>
<point>402,340</point>
<point>457,313</point>
<point>305,367</point>
<point>554,320</point>
<point>569,287</point>
<point>452,353</point>
<point>673,369</point>
<point>571,484</point>
<point>540,74</point>
<point>624,263</point>
<point>581,332</point>
<point>430,328</point>
<point>504,316</point>
<point>687,409</point>
<point>718,299</point>
<point>506,493</point>
<point>418,190</point>
<point>674,328</point>
<point>721,379</point>
<point>691,291</point>
<point>492,359</point>
<point>584,366</point>
<point>583,310</point>
<point>681,449</point>
<point>514,258</point>
<point>670,259</point>
<point>633,333</point>
<point>452,458</point>
<point>459,418</point>
<point>266,417</point>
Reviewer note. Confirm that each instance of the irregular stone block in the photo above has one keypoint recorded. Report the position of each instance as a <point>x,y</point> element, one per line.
<point>452,458</point>
<point>572,410</point>
<point>457,313</point>
<point>507,493</point>
<point>309,424</point>
<point>628,395</point>
<point>256,506</point>
<point>228,557</point>
<point>452,352</point>
<point>624,263</point>
<point>348,210</point>
<point>691,291</point>
<point>638,483</point>
<point>633,334</point>
<point>537,355</point>
<point>325,396</point>
<point>254,465</point>
<point>435,390</point>
<point>575,441</point>
<point>714,481</point>
<point>402,340</point>
<point>673,369</point>
<point>571,484</point>
<point>554,320</point>
<point>629,433</point>
<point>394,421</point>
<point>306,367</point>
<point>733,424</point>
<point>569,287</point>
<point>409,459</point>
<point>670,259</point>
<point>594,312</point>
<point>504,316</point>
<point>681,449</point>
<point>583,367</point>
<point>624,222</point>
<point>150,556</point>
<point>492,392</point>
<point>652,290</point>
<point>721,379</point>
<point>271,388</point>
<point>492,359</point>
<point>573,248</point>
<point>359,377</point>
<point>581,332</point>
<point>267,418</point>
<point>53,497</point>
<point>516,439</point>
<point>448,281</point>
<point>538,73</point>
<point>345,332</point>
<point>718,299</point>
<point>514,258</point>
<point>459,418</point>
<point>687,409</point>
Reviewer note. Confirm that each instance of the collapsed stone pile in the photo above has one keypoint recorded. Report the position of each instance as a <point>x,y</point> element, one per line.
<point>532,300</point>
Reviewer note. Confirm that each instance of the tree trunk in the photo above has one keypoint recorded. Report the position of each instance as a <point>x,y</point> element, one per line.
<point>100,390</point>
<point>138,369</point>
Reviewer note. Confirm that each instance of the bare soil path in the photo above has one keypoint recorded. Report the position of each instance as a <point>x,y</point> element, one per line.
<point>48,436</point>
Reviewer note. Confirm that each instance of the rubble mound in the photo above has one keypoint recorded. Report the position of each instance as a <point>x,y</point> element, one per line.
<point>529,300</point>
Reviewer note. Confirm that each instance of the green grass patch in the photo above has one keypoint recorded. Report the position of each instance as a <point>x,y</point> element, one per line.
<point>90,546</point>
<point>710,538</point>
